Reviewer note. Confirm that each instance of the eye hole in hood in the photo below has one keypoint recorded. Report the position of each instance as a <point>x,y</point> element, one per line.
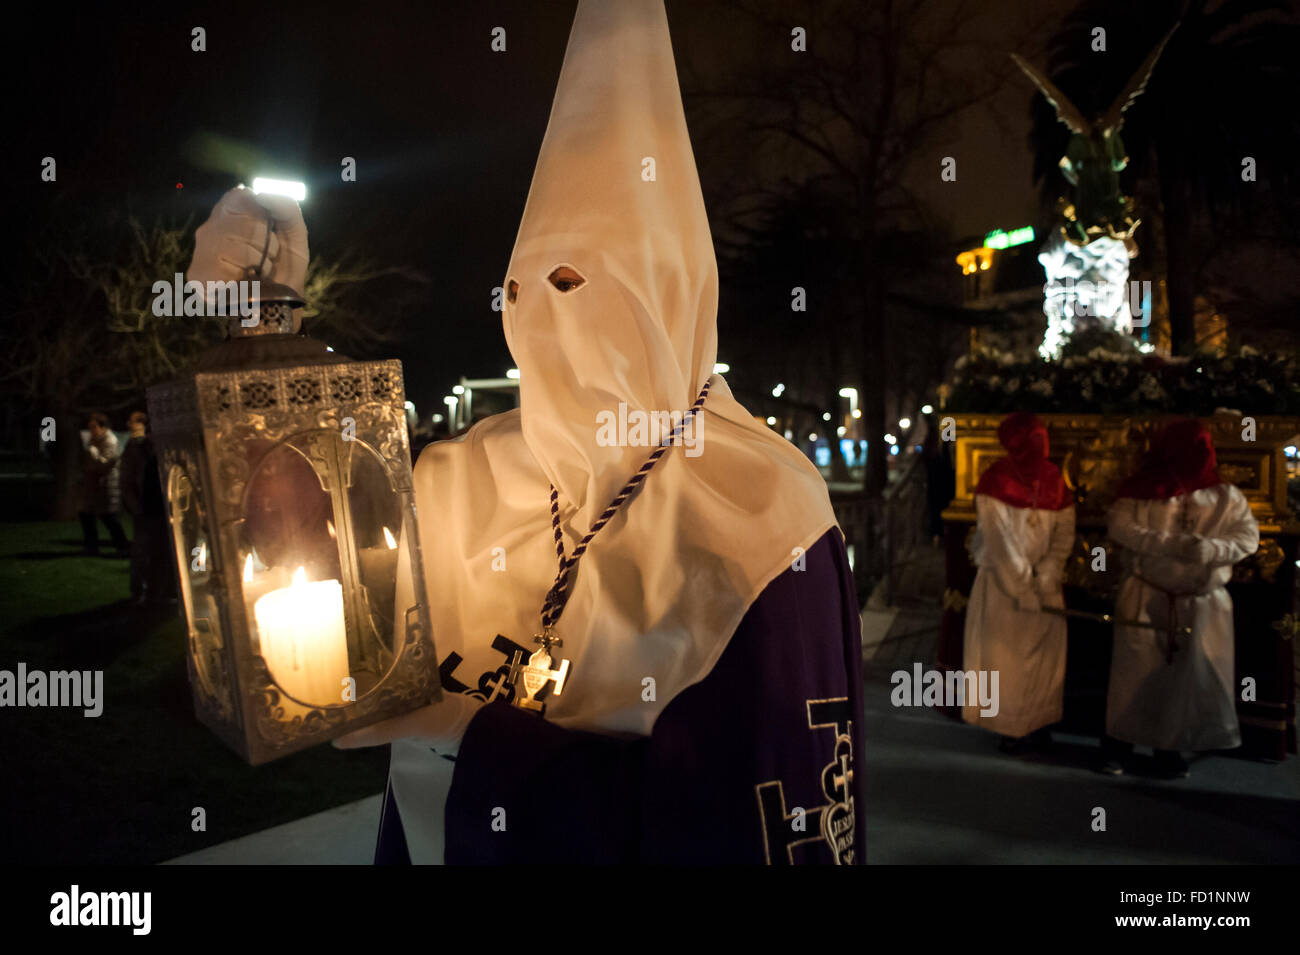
<point>566,278</point>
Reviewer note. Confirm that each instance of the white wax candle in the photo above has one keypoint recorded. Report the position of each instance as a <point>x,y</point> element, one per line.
<point>303,638</point>
<point>260,580</point>
<point>379,567</point>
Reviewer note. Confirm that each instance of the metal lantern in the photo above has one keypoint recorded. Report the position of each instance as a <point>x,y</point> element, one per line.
<point>288,480</point>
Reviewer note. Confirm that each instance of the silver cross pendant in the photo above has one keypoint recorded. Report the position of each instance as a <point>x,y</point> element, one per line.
<point>530,680</point>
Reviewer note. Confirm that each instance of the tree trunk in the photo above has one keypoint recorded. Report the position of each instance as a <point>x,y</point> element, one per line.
<point>67,466</point>
<point>1180,274</point>
<point>872,389</point>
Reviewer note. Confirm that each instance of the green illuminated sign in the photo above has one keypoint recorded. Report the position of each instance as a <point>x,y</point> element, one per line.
<point>997,239</point>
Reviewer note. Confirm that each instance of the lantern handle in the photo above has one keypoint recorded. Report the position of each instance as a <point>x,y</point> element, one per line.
<point>255,272</point>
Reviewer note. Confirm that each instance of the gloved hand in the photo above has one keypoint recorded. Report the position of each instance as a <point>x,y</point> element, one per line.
<point>1196,550</point>
<point>441,726</point>
<point>1047,584</point>
<point>1028,602</point>
<point>235,233</point>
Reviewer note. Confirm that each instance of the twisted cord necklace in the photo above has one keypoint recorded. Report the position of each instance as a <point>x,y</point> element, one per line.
<point>537,672</point>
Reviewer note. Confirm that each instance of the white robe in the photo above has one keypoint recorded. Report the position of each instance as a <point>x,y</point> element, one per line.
<point>1018,550</point>
<point>1189,704</point>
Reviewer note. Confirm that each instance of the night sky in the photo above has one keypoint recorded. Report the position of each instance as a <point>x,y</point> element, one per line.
<point>445,133</point>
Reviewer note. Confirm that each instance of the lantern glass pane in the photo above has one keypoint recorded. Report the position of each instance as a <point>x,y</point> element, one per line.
<point>317,568</point>
<point>193,557</point>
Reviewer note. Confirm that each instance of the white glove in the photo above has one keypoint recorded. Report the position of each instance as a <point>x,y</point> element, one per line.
<point>235,233</point>
<point>441,726</point>
<point>1047,580</point>
<point>1028,602</point>
<point>1196,550</point>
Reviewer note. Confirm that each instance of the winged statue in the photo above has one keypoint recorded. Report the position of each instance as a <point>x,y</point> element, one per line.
<point>1095,156</point>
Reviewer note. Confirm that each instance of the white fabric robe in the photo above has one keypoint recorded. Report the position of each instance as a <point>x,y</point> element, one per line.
<point>1017,555</point>
<point>1189,704</point>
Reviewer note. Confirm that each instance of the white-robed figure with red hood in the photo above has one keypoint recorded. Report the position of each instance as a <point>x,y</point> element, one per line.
<point>648,635</point>
<point>1024,532</point>
<point>1181,529</point>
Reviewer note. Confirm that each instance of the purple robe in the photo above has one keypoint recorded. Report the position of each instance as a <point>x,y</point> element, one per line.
<point>753,764</point>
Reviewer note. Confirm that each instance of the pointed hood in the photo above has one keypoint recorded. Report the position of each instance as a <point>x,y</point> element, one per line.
<point>615,199</point>
<point>1025,477</point>
<point>1182,459</point>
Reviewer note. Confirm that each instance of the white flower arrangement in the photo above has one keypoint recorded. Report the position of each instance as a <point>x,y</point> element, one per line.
<point>1150,389</point>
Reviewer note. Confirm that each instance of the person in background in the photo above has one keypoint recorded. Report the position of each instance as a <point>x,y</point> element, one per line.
<point>1181,529</point>
<point>1025,531</point>
<point>152,580</point>
<point>101,487</point>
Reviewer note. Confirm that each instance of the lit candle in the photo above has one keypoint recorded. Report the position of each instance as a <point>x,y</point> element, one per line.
<point>303,638</point>
<point>379,567</point>
<point>259,579</point>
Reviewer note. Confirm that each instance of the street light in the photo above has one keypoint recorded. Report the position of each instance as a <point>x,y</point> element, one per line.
<point>852,395</point>
<point>279,187</point>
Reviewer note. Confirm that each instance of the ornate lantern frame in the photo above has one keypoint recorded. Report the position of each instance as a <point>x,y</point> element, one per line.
<point>261,391</point>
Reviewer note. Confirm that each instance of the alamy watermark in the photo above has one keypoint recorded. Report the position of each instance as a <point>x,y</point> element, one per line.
<point>76,688</point>
<point>178,297</point>
<point>922,687</point>
<point>643,429</point>
<point>1104,299</point>
<point>75,907</point>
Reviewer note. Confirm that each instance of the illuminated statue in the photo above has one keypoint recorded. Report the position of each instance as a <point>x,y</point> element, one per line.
<point>1086,259</point>
<point>1094,158</point>
<point>1087,287</point>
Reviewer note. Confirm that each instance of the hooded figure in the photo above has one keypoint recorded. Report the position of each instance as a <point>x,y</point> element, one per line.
<point>711,635</point>
<point>1181,530</point>
<point>1025,531</point>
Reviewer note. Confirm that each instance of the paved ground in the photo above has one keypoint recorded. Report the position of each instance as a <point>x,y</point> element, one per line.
<point>342,836</point>
<point>939,791</point>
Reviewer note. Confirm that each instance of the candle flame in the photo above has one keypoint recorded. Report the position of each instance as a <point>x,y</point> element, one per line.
<point>248,569</point>
<point>299,577</point>
<point>329,526</point>
<point>389,540</point>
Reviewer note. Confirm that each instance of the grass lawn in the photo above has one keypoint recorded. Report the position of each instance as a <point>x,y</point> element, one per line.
<point>121,788</point>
